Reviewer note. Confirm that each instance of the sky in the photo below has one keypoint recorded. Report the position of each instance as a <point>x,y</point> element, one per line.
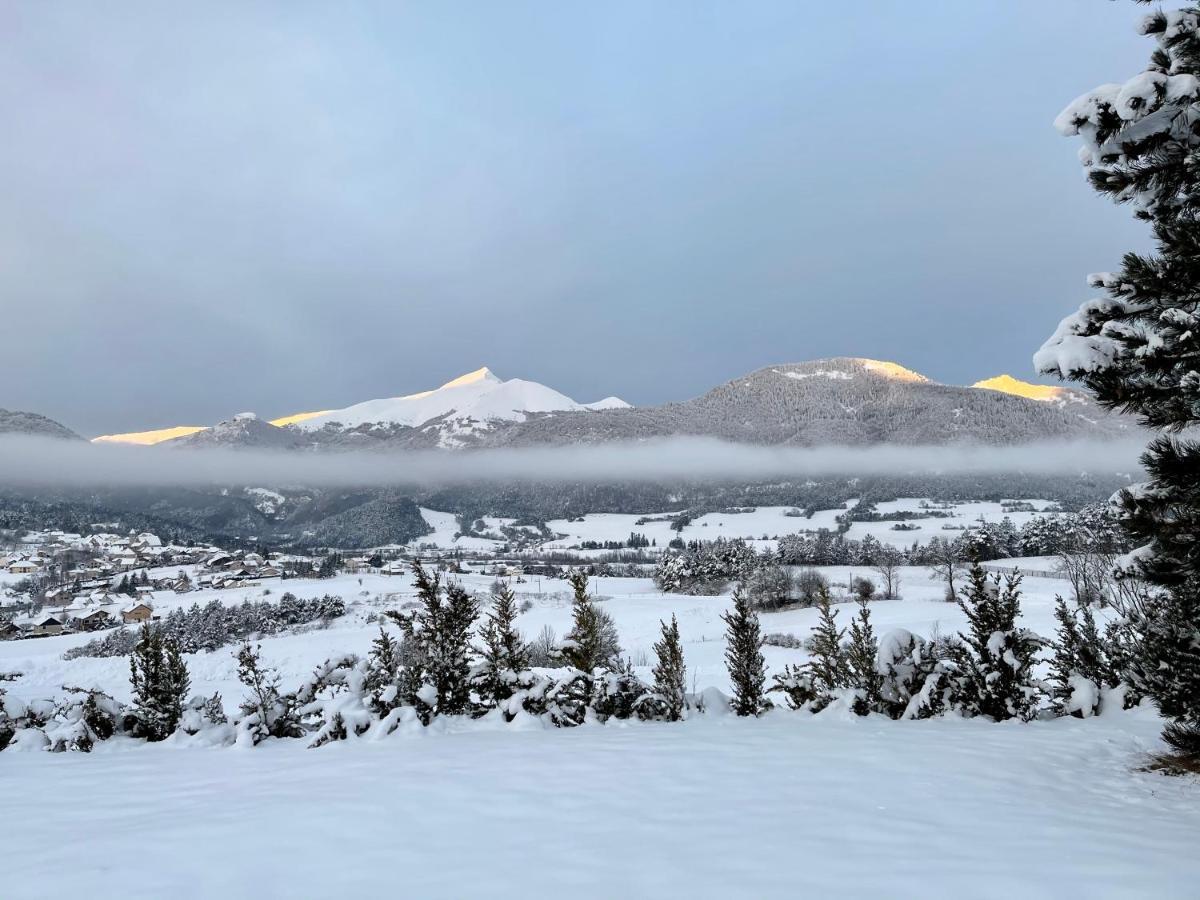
<point>221,207</point>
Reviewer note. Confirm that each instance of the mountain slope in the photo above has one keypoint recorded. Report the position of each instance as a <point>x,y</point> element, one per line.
<point>844,400</point>
<point>830,401</point>
<point>27,423</point>
<point>244,430</point>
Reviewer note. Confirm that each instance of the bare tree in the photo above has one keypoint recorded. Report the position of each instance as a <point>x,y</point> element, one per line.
<point>886,562</point>
<point>947,563</point>
<point>1090,545</point>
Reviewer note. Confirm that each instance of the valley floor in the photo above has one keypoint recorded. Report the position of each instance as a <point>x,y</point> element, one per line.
<point>787,806</point>
<point>791,805</point>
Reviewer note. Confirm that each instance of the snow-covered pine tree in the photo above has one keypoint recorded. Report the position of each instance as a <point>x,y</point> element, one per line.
<point>743,657</point>
<point>995,658</point>
<point>382,683</point>
<point>160,682</point>
<point>265,712</point>
<point>1137,347</point>
<point>862,654</point>
<point>592,643</point>
<point>827,666</point>
<point>670,672</point>
<point>504,653</point>
<point>175,684</point>
<point>915,677</point>
<point>214,710</point>
<point>1079,667</point>
<point>438,636</point>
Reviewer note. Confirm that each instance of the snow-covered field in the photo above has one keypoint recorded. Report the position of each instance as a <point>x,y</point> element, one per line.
<point>761,525</point>
<point>634,603</point>
<point>786,806</point>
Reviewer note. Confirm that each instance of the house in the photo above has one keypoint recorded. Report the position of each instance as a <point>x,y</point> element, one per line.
<point>8,630</point>
<point>90,617</point>
<point>47,625</point>
<point>125,561</point>
<point>22,567</point>
<point>139,612</point>
<point>60,596</point>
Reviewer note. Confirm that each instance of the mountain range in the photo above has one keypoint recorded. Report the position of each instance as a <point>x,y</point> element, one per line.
<point>843,400</point>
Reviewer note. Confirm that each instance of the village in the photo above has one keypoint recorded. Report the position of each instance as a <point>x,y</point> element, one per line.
<point>55,582</point>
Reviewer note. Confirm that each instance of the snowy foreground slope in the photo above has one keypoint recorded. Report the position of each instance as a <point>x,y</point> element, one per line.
<point>783,807</point>
<point>790,805</point>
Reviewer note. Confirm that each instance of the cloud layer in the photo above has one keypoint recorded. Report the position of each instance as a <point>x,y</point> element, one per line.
<point>33,462</point>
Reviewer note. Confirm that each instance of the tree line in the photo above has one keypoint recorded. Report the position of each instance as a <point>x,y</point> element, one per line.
<point>446,657</point>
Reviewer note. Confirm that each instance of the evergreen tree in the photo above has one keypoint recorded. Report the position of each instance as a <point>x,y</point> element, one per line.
<point>1137,347</point>
<point>743,657</point>
<point>329,566</point>
<point>214,710</point>
<point>160,683</point>
<point>382,683</point>
<point>504,652</point>
<point>996,658</point>
<point>1167,664</point>
<point>827,666</point>
<point>266,712</point>
<point>592,643</point>
<point>438,636</point>
<point>670,672</point>
<point>1080,665</point>
<point>862,656</point>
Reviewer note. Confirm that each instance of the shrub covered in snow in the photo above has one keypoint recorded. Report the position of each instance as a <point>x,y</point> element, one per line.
<point>75,722</point>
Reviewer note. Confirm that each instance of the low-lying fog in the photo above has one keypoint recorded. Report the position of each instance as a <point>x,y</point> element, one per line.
<point>26,461</point>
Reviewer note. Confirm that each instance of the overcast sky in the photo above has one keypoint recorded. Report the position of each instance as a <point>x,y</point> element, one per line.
<point>214,207</point>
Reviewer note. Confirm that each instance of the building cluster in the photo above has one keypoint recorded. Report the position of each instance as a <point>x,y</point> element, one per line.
<point>73,582</point>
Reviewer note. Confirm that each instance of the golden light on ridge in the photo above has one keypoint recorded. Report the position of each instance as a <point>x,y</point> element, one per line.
<point>298,417</point>
<point>149,437</point>
<point>1006,384</point>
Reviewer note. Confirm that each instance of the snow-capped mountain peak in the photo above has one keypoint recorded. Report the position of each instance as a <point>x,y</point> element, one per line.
<point>482,375</point>
<point>462,406</point>
<point>609,403</point>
